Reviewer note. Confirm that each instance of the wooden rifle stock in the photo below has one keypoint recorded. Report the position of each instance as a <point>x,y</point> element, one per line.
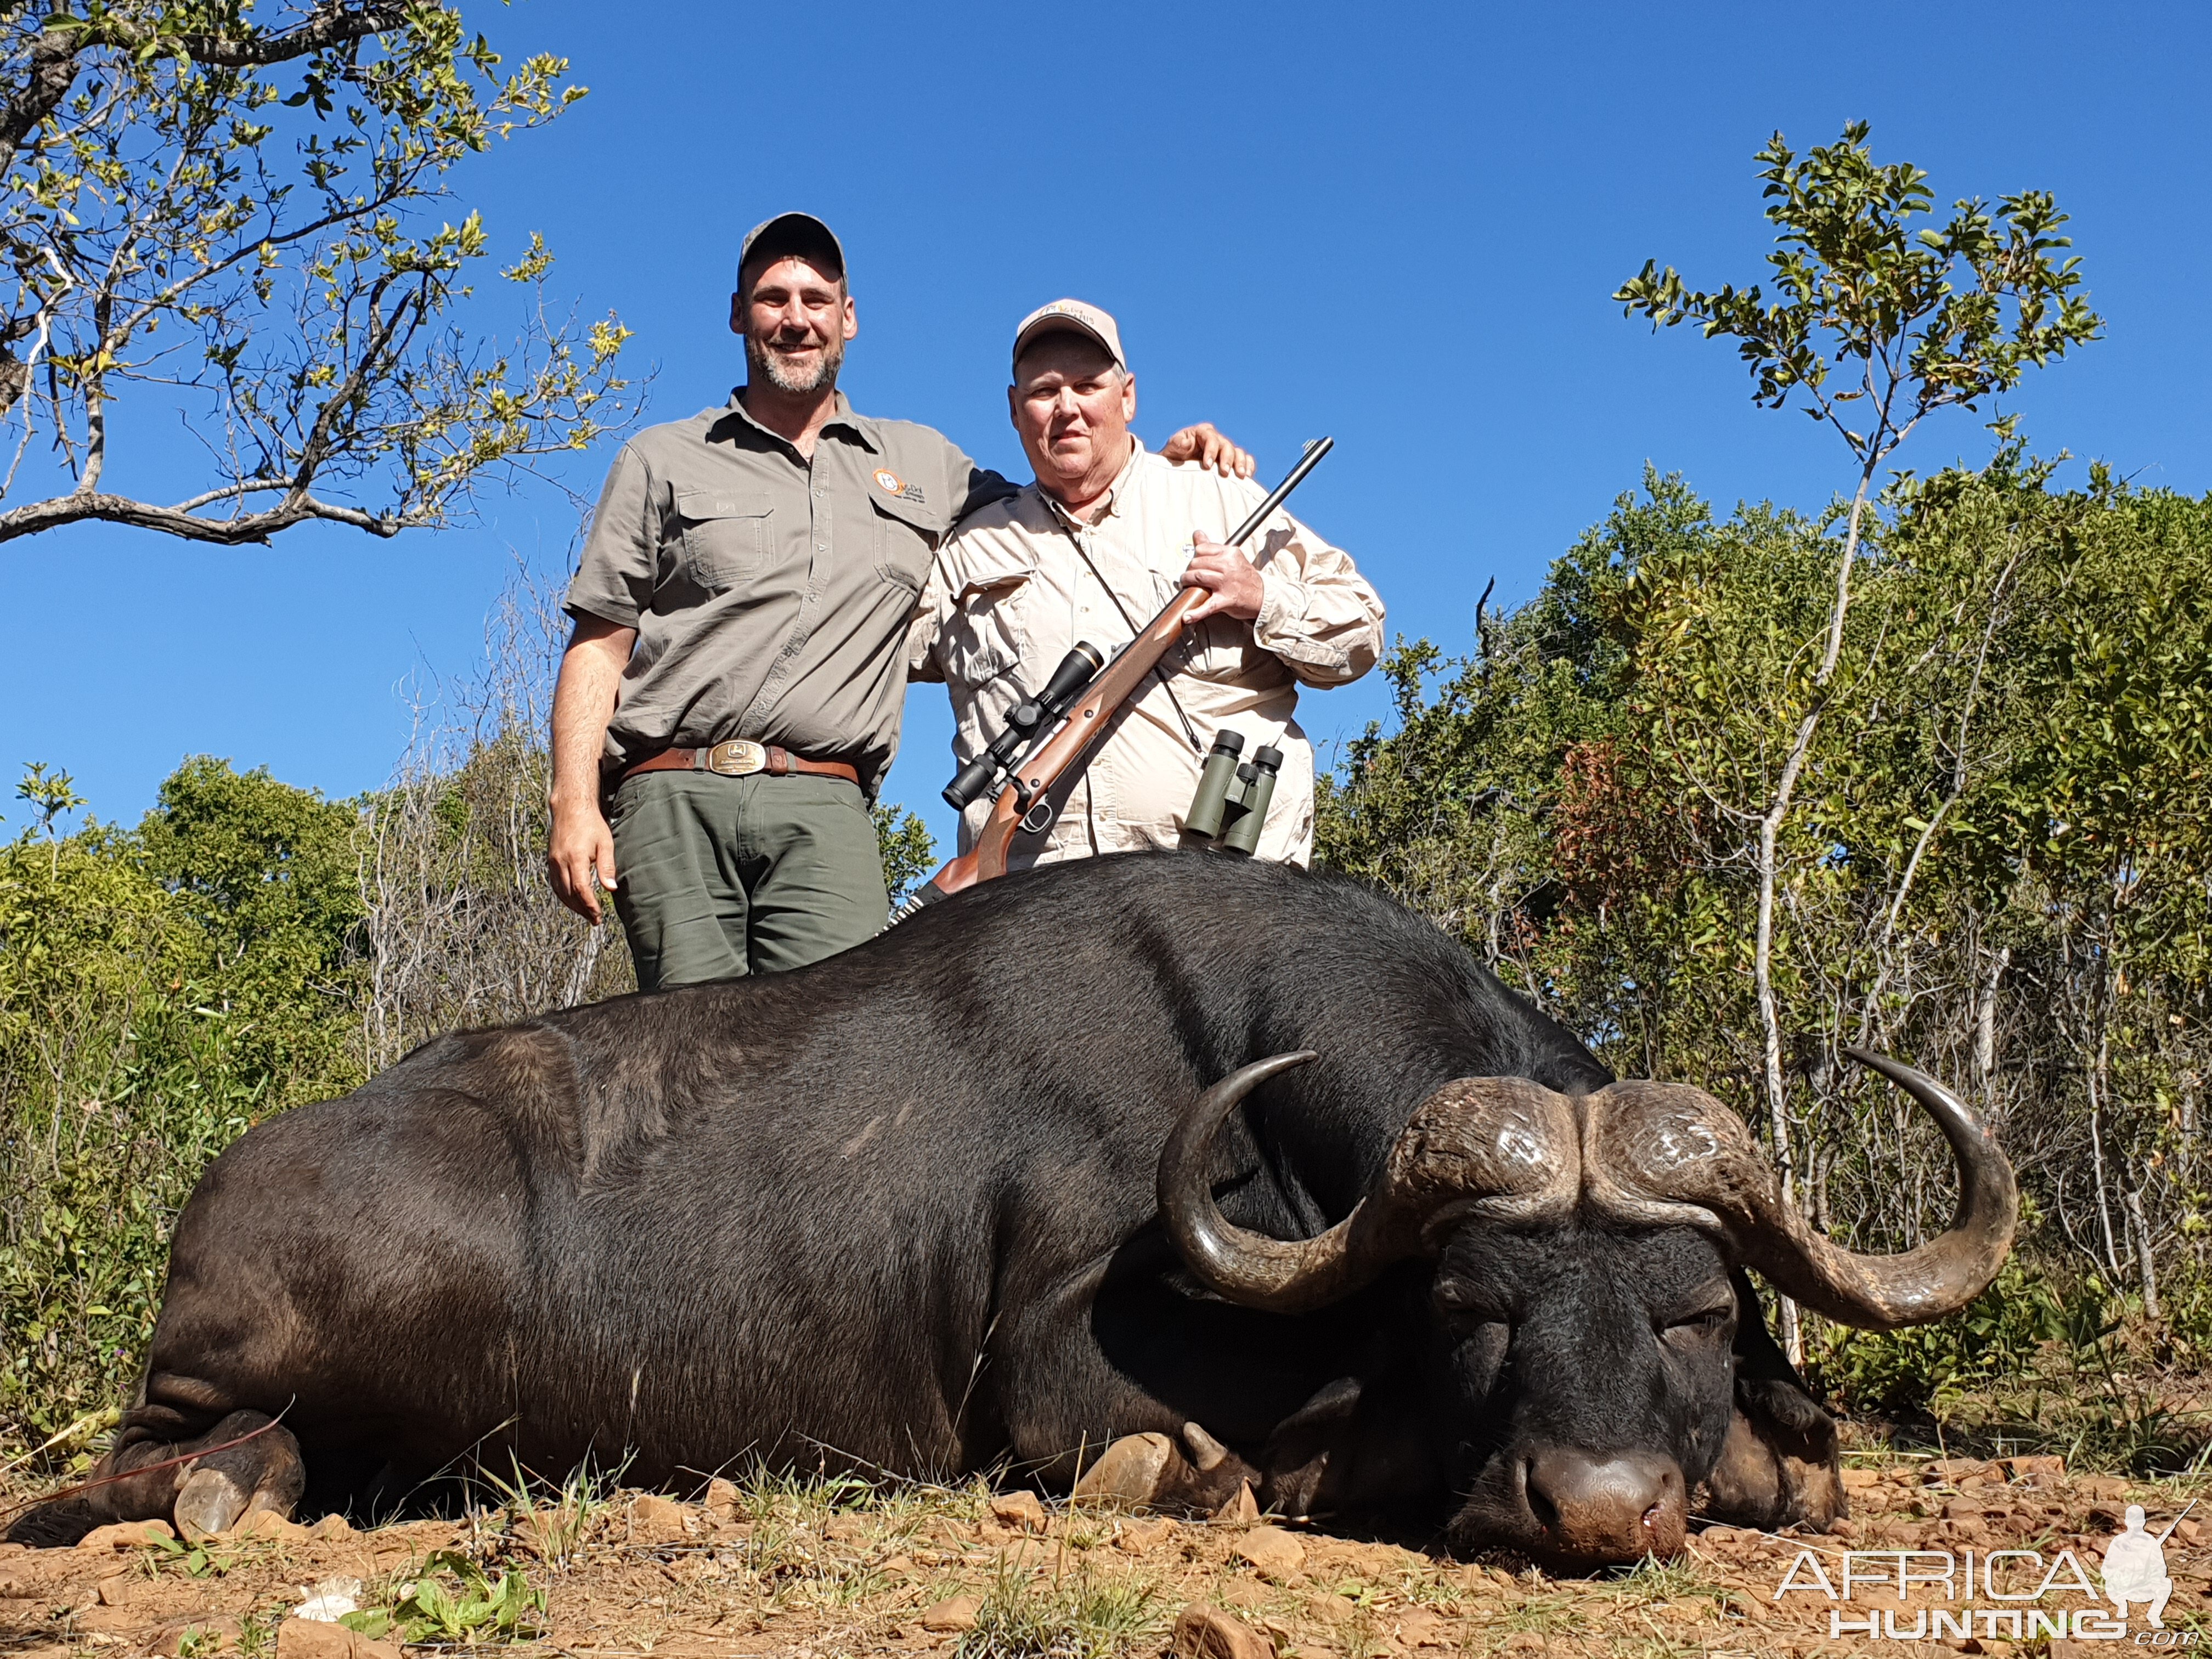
<point>1065,750</point>
<point>1044,767</point>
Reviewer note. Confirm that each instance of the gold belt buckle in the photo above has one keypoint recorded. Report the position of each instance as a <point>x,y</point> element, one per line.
<point>740,759</point>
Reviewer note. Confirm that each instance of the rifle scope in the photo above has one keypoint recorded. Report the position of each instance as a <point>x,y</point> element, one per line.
<point>1030,716</point>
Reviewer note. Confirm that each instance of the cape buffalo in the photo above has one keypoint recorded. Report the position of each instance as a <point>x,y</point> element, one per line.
<point>1242,1172</point>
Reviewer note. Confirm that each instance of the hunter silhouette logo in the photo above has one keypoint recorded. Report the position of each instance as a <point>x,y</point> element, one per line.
<point>2135,1566</point>
<point>2133,1574</point>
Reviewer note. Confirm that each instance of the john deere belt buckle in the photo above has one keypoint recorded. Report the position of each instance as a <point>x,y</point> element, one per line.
<point>740,759</point>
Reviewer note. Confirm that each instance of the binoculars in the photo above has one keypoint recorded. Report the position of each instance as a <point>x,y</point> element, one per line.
<point>1234,794</point>
<point>1031,716</point>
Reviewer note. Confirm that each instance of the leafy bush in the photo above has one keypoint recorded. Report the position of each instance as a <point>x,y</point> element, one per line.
<point>160,991</point>
<point>1924,1370</point>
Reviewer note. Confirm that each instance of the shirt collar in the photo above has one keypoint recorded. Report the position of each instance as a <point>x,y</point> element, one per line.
<point>1113,492</point>
<point>842,417</point>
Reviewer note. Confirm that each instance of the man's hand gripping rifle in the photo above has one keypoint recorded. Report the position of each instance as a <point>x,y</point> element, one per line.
<point>1051,734</point>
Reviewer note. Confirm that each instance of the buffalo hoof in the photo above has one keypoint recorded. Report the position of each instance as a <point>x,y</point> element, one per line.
<point>209,1502</point>
<point>1214,1475</point>
<point>1135,1471</point>
<point>257,1466</point>
<point>1780,1466</point>
<point>1151,1471</point>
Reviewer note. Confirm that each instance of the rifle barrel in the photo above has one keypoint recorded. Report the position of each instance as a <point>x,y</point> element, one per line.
<point>1262,513</point>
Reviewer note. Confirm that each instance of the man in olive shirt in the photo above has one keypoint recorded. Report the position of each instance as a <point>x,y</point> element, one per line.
<point>735,680</point>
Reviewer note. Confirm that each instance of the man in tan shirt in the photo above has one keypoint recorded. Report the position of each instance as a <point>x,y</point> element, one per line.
<point>1091,552</point>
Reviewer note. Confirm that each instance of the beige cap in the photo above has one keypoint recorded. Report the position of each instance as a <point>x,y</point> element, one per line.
<point>788,234</point>
<point>1073,317</point>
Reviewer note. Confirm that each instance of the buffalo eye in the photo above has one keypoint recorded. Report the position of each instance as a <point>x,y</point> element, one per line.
<point>1703,1320</point>
<point>1465,1300</point>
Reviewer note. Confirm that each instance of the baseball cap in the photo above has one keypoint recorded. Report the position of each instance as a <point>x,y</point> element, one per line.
<point>788,234</point>
<point>1073,316</point>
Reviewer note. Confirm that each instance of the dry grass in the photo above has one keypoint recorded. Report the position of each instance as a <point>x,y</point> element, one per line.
<point>818,1569</point>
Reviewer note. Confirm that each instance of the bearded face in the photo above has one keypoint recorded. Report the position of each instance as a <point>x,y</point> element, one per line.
<point>796,317</point>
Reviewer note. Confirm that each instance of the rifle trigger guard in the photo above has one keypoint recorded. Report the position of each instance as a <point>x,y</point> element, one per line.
<point>1038,819</point>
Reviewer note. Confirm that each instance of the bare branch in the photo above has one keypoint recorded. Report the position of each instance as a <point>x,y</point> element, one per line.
<point>79,506</point>
<point>150,194</point>
<point>332,25</point>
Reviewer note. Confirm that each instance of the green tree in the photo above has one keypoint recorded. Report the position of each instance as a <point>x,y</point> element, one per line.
<point>1999,863</point>
<point>908,850</point>
<point>1916,320</point>
<point>244,207</point>
<point>160,991</point>
<point>267,877</point>
<point>1536,798</point>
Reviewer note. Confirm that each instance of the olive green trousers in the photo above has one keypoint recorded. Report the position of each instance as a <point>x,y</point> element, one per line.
<point>719,877</point>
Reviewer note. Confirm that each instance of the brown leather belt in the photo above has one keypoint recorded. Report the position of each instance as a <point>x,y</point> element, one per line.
<point>741,759</point>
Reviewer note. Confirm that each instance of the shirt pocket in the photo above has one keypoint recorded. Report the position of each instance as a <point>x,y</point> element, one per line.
<point>988,633</point>
<point>906,534</point>
<point>728,535</point>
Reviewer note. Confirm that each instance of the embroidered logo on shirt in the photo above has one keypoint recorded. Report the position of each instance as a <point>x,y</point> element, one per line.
<point>891,484</point>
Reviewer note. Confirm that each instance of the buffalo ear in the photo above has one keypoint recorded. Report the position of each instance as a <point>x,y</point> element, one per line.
<point>1780,1465</point>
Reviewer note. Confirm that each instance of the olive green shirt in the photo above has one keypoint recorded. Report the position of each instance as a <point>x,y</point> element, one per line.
<point>770,596</point>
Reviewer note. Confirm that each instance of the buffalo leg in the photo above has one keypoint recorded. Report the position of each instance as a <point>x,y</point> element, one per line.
<point>1113,1348</point>
<point>1781,1464</point>
<point>1057,1391</point>
<point>1299,1453</point>
<point>154,1474</point>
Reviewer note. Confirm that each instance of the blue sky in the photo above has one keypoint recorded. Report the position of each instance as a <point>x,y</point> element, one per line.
<point>1395,224</point>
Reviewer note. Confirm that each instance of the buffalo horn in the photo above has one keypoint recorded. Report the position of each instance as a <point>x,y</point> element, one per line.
<point>1248,1268</point>
<point>1502,1147</point>
<point>1668,1153</point>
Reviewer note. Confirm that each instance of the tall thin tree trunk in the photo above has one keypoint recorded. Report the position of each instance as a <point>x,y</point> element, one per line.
<point>1770,841</point>
<point>2097,1164</point>
<point>1986,1032</point>
<point>580,970</point>
<point>2145,1266</point>
<point>2188,1148</point>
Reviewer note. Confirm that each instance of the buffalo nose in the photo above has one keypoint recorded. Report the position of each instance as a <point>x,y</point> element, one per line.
<point>1617,1506</point>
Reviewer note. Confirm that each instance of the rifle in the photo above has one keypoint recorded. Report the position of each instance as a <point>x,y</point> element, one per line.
<point>1061,724</point>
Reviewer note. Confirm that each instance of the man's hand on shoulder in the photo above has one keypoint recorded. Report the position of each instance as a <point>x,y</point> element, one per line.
<point>1232,585</point>
<point>1202,444</point>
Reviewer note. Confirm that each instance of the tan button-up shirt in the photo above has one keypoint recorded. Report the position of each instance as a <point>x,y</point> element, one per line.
<point>770,593</point>
<point>1021,580</point>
